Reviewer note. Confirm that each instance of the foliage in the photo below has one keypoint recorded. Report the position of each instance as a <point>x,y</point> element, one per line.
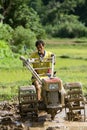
<point>8,8</point>
<point>5,50</point>
<point>54,9</point>
<point>36,5</point>
<point>22,39</point>
<point>59,16</point>
<point>20,14</point>
<point>29,19</point>
<point>69,26</point>
<point>81,11</point>
<point>49,13</point>
<point>5,32</point>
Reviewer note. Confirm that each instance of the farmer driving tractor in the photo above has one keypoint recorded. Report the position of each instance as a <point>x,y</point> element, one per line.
<point>42,55</point>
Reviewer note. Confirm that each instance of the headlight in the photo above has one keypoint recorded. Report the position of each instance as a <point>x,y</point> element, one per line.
<point>53,86</point>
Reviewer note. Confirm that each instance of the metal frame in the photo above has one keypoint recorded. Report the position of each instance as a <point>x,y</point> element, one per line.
<point>74,99</point>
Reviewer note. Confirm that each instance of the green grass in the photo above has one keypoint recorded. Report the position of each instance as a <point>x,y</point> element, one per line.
<point>71,66</point>
<point>72,70</point>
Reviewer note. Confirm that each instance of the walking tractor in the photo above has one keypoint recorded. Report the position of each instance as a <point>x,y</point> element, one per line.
<point>28,102</point>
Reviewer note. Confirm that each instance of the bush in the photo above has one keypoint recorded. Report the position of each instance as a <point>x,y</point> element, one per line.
<point>22,39</point>
<point>71,30</point>
<point>5,50</point>
<point>5,32</point>
<point>68,27</point>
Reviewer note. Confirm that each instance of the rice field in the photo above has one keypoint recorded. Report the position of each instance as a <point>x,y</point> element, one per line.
<point>71,66</point>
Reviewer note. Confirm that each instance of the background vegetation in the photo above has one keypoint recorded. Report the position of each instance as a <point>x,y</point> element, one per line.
<point>40,19</point>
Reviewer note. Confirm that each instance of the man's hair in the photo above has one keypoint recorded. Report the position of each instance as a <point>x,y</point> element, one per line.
<point>39,42</point>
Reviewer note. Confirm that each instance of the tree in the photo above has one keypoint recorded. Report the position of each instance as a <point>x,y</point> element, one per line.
<point>9,7</point>
<point>5,8</point>
<point>36,5</point>
<point>31,14</point>
<point>50,11</point>
<point>81,11</point>
<point>29,19</point>
<point>18,12</point>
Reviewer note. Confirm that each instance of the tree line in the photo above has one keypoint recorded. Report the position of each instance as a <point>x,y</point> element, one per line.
<point>41,18</point>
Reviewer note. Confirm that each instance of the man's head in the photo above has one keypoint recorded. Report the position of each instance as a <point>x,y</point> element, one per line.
<point>40,46</point>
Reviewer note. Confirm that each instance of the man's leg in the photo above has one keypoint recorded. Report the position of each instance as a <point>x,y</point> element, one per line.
<point>38,89</point>
<point>63,92</point>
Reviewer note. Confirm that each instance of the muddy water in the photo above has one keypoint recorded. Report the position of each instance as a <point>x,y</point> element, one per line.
<point>59,123</point>
<point>10,120</point>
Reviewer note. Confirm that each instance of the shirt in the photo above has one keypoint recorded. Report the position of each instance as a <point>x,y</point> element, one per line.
<point>42,64</point>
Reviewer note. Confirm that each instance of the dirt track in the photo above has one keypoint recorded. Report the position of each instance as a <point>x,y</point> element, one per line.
<point>10,120</point>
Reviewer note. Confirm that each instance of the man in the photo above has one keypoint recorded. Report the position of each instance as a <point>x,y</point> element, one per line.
<point>42,55</point>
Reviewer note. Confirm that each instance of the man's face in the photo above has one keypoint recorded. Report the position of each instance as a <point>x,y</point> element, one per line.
<point>40,48</point>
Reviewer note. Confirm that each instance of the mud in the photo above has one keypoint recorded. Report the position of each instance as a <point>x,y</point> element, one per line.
<point>10,119</point>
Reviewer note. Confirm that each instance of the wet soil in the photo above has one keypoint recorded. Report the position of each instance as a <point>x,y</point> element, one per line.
<point>10,119</point>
